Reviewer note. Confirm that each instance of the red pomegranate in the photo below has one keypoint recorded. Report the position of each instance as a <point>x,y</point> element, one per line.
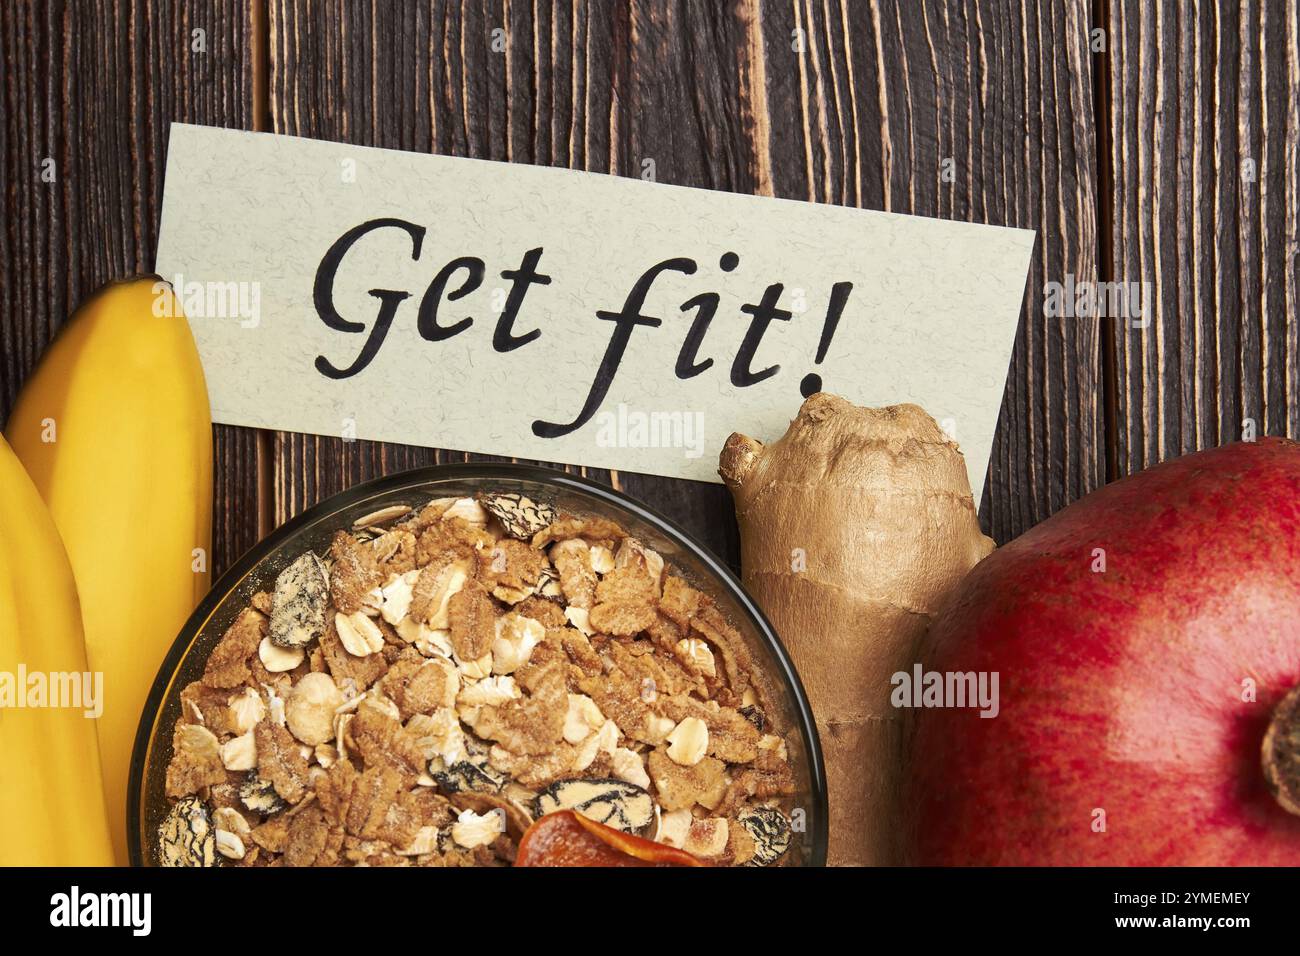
<point>1146,640</point>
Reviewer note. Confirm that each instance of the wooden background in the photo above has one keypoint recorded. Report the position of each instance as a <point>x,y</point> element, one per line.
<point>1153,141</point>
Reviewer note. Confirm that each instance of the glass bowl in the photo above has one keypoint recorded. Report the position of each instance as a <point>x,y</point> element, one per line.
<point>787,704</point>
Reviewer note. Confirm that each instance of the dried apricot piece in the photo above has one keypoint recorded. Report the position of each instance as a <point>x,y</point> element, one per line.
<point>566,838</point>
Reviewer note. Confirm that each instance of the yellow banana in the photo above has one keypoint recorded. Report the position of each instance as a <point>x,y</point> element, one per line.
<point>51,802</point>
<point>115,431</point>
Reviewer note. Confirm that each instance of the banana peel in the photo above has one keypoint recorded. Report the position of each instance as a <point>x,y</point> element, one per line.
<point>115,431</point>
<point>51,801</point>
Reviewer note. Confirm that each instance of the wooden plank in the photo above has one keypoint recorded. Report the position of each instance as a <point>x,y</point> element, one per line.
<point>93,87</point>
<point>979,111</point>
<point>597,86</point>
<point>1205,123</point>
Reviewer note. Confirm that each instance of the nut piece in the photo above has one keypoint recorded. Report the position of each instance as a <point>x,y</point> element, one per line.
<point>771,832</point>
<point>628,766</point>
<point>474,830</point>
<point>582,719</point>
<point>656,729</point>
<point>230,845</point>
<point>359,635</point>
<point>246,710</point>
<point>277,659</point>
<point>673,827</point>
<point>520,516</point>
<point>441,737</point>
<point>688,742</point>
<point>514,643</point>
<point>601,558</point>
<point>309,708</point>
<point>298,602</point>
<point>240,753</point>
<point>426,841</point>
<point>580,618</point>
<point>429,642</point>
<point>614,803</point>
<point>197,741</point>
<point>186,836</point>
<point>382,516</point>
<point>228,818</point>
<point>467,510</point>
<point>397,596</point>
<point>706,838</point>
<point>697,655</point>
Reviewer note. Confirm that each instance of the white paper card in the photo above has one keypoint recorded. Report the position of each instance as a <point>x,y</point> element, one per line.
<point>567,316</point>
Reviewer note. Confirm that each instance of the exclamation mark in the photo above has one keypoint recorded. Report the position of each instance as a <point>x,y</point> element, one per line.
<point>812,382</point>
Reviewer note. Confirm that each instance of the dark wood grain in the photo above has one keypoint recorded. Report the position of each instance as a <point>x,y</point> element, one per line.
<point>1205,119</point>
<point>885,93</point>
<point>94,86</point>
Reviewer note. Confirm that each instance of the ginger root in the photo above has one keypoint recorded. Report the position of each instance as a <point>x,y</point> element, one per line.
<point>854,527</point>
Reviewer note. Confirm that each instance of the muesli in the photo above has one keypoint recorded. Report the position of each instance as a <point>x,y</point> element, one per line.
<point>443,677</point>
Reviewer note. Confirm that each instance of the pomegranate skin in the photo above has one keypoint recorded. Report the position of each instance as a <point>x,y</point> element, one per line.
<point>1126,734</point>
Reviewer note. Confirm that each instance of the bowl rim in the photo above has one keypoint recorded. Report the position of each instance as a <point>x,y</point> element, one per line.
<point>230,579</point>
